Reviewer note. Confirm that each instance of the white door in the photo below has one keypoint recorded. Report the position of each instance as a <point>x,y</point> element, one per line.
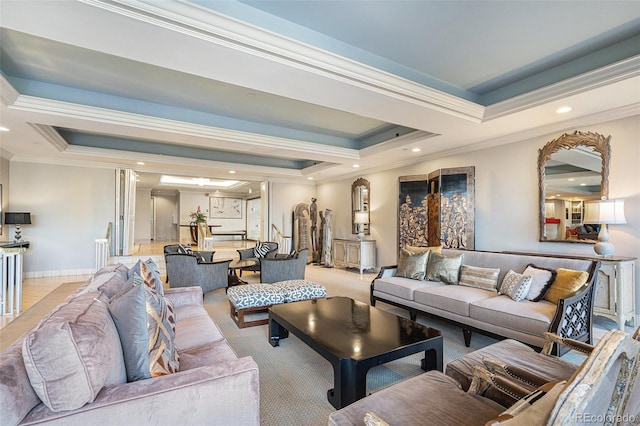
<point>254,229</point>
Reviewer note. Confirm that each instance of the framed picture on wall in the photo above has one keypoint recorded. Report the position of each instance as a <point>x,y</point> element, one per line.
<point>225,208</point>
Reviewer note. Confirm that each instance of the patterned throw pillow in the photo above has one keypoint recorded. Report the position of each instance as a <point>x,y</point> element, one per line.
<point>442,268</point>
<point>261,249</point>
<point>542,278</point>
<point>515,285</point>
<point>566,284</point>
<point>483,278</point>
<point>184,249</point>
<point>161,326</point>
<point>411,265</point>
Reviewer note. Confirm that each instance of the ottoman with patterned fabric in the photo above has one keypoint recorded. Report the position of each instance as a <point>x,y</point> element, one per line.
<point>260,297</point>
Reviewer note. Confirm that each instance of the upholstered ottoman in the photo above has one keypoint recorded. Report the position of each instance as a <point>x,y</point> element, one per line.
<point>249,298</point>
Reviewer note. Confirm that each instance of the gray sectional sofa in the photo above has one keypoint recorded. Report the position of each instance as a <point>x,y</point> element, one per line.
<point>476,309</point>
<point>80,376</point>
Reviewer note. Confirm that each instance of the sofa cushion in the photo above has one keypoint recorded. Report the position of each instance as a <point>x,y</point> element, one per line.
<point>455,299</point>
<point>524,316</point>
<point>107,283</point>
<point>401,287</point>
<point>412,265</point>
<point>212,353</point>
<point>483,278</point>
<point>128,310</point>
<point>196,331</point>
<point>566,284</point>
<point>296,290</point>
<point>444,268</point>
<point>74,353</point>
<point>251,295</point>
<point>515,285</point>
<point>541,280</point>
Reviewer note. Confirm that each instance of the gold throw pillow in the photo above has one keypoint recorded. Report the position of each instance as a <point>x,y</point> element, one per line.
<point>567,283</point>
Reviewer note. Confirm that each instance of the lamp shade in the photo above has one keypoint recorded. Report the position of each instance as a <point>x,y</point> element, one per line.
<point>604,212</point>
<point>361,217</point>
<point>17,218</point>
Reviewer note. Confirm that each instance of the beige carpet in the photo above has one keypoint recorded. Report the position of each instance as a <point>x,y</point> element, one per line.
<point>29,318</point>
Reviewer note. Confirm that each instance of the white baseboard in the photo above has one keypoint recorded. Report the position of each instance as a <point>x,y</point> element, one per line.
<point>58,273</point>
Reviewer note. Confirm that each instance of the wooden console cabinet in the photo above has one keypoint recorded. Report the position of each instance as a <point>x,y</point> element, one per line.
<point>354,254</point>
<point>615,290</point>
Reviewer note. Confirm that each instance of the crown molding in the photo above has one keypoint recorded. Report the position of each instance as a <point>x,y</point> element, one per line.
<point>604,76</point>
<point>214,27</point>
<point>238,139</point>
<point>8,94</point>
<point>49,134</point>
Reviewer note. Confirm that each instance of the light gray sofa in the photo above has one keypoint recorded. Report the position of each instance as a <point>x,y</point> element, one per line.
<point>475,309</point>
<point>212,385</point>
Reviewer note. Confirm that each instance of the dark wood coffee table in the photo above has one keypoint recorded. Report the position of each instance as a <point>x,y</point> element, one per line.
<point>234,279</point>
<point>353,337</point>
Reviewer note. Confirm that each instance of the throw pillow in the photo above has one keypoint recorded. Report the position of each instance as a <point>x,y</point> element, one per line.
<point>415,249</point>
<point>261,249</point>
<point>566,284</point>
<point>72,354</point>
<point>128,311</point>
<point>161,326</point>
<point>541,280</point>
<point>184,249</point>
<point>515,285</point>
<point>483,278</point>
<point>151,276</point>
<point>411,265</point>
<point>442,268</point>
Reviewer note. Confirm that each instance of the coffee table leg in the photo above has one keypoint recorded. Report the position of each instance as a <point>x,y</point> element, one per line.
<point>433,357</point>
<point>350,383</point>
<point>276,332</point>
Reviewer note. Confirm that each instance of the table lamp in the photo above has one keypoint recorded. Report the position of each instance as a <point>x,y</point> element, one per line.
<point>604,212</point>
<point>17,219</point>
<point>361,218</point>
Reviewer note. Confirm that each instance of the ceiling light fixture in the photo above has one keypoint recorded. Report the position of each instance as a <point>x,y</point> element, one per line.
<point>4,129</point>
<point>563,110</point>
<point>177,180</point>
<point>571,179</point>
<point>140,163</point>
<point>416,150</point>
<point>310,178</point>
<point>356,165</point>
<point>232,171</point>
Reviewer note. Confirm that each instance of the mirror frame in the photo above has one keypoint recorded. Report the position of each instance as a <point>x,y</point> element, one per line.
<point>598,142</point>
<point>360,182</point>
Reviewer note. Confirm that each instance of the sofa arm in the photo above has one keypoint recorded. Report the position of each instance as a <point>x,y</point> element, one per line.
<point>185,296</point>
<point>387,271</point>
<point>227,393</point>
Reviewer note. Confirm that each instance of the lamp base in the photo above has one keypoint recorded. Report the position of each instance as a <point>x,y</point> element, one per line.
<point>603,247</point>
<point>361,236</point>
<point>18,235</point>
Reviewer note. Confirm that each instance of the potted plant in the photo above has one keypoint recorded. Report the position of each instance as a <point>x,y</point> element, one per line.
<point>197,216</point>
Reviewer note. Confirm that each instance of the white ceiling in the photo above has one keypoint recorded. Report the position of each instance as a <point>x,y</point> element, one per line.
<point>290,90</point>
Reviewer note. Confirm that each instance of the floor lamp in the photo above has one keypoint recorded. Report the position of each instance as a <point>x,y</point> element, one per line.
<point>604,212</point>
<point>17,219</point>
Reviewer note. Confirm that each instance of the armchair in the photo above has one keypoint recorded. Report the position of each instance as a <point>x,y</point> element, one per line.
<point>249,253</point>
<point>185,270</point>
<point>282,269</point>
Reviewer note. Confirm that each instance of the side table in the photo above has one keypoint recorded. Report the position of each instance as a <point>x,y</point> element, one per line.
<point>615,290</point>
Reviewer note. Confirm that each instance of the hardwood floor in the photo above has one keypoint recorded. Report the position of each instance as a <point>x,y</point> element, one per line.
<point>34,289</point>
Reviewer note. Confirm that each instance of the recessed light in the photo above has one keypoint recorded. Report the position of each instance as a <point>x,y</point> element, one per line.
<point>415,150</point>
<point>310,178</point>
<point>583,184</point>
<point>356,165</point>
<point>232,171</point>
<point>571,179</point>
<point>563,109</point>
<point>140,163</point>
<point>4,129</point>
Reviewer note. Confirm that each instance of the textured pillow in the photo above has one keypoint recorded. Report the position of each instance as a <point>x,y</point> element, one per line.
<point>484,278</point>
<point>73,354</point>
<point>261,249</point>
<point>515,285</point>
<point>415,249</point>
<point>412,265</point>
<point>129,313</point>
<point>541,280</point>
<point>566,284</point>
<point>184,249</point>
<point>161,327</point>
<point>442,268</point>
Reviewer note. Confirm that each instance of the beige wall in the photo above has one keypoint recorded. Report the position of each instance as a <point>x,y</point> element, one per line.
<point>506,208</point>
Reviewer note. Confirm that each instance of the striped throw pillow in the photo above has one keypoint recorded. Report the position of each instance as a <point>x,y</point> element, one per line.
<point>483,278</point>
<point>261,250</point>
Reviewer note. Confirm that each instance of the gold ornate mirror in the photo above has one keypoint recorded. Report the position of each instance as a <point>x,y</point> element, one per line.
<point>572,169</point>
<point>360,193</point>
